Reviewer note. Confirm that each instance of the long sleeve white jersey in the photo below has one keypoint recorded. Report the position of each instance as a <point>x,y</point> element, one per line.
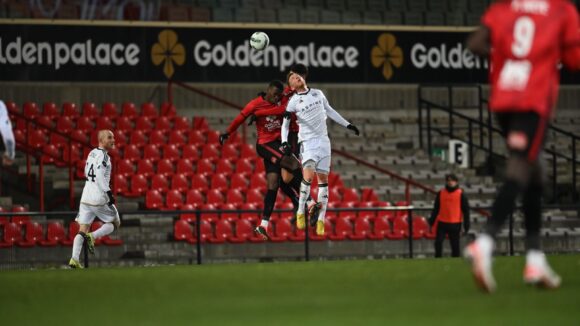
<point>6,132</point>
<point>98,174</point>
<point>312,109</point>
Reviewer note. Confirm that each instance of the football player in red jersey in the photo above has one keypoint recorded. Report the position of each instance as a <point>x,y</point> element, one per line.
<point>525,40</point>
<point>269,148</point>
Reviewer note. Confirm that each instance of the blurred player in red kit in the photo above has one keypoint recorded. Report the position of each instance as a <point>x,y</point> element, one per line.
<point>526,40</point>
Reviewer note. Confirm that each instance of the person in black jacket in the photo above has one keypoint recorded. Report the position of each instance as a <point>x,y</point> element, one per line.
<point>451,207</point>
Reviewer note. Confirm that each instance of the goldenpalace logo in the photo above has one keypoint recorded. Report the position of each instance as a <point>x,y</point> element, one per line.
<point>168,51</point>
<point>387,54</point>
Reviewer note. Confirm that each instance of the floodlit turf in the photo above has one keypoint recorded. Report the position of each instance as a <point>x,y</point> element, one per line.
<point>384,292</point>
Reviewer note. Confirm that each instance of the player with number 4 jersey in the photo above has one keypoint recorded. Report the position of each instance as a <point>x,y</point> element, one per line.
<point>526,40</point>
<point>97,199</point>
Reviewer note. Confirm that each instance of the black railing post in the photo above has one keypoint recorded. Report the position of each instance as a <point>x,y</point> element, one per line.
<point>554,175</point>
<point>470,133</point>
<point>511,234</point>
<point>489,142</point>
<point>410,218</point>
<point>450,101</point>
<point>429,148</point>
<point>480,108</point>
<point>420,124</point>
<point>198,235</point>
<point>86,254</point>
<point>574,189</point>
<point>307,242</point>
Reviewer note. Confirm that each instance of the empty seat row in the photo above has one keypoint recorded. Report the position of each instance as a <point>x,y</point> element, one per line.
<point>281,230</point>
<point>89,109</point>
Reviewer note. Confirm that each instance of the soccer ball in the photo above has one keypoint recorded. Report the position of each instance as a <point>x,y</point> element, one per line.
<point>259,40</point>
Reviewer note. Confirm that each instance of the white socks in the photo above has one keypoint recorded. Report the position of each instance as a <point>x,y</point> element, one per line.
<point>323,200</point>
<point>104,230</point>
<point>77,245</point>
<point>535,258</point>
<point>486,243</point>
<point>264,224</point>
<point>304,192</point>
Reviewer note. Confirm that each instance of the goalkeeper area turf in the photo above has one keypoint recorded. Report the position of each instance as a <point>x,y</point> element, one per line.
<point>348,292</point>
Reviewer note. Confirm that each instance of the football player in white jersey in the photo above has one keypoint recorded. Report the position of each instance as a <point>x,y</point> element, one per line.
<point>97,199</point>
<point>7,136</point>
<point>312,108</point>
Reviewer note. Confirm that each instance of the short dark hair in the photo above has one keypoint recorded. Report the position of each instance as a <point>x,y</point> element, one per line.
<point>300,69</point>
<point>452,177</point>
<point>276,83</point>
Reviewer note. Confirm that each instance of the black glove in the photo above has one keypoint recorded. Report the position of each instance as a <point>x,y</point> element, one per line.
<point>286,149</point>
<point>353,128</point>
<point>252,120</point>
<point>224,137</point>
<point>111,198</point>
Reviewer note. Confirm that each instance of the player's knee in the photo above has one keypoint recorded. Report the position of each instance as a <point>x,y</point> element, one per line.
<point>287,176</point>
<point>322,177</point>
<point>117,224</point>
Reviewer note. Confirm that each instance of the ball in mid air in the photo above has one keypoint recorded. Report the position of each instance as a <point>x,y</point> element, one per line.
<point>259,40</point>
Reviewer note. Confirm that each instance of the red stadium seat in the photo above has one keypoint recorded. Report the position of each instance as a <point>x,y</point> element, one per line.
<point>200,182</point>
<point>31,110</point>
<point>163,124</point>
<point>124,124</point>
<point>194,197</point>
<point>254,195</point>
<point>104,122</point>
<point>139,185</point>
<point>196,137</point>
<point>145,167</point>
<point>327,232</point>
<point>369,195</point>
<point>45,121</point>
<point>400,229</point>
<point>129,110</point>
<point>350,194</point>
<point>157,137</point>
<point>125,167</point>
<point>144,123</point>
<point>259,166</point>
<point>185,167</point>
<point>239,181</point>
<point>249,216</point>
<point>73,230</point>
<point>37,139</point>
<point>235,196</point>
<point>421,228</point>
<point>334,181</point>
<point>343,229</point>
<point>349,213</point>
<point>70,110</point>
<point>206,232</point>
<point>173,200</point>
<point>189,217</point>
<point>132,152</point>
<point>258,181</point>
<point>49,109</point>
<point>121,184</point>
<point>32,235</point>
<point>12,107</point>
<point>387,214</point>
<point>110,110</point>
<point>381,228</point>
<point>85,123</point>
<point>282,230</point>
<point>177,136</point>
<point>229,216</point>
<point>154,199</point>
<point>223,231</point>
<point>168,109</point>
<point>181,123</point>
<point>121,139</point>
<point>401,213</point>
<point>165,167</point>
<point>149,110</point>
<point>211,151</point>
<point>215,197</point>
<point>205,166</point>
<point>220,181</point>
<point>244,231</point>
<point>138,137</point>
<point>80,170</point>
<point>182,231</point>
<point>245,166</point>
<point>180,182</point>
<point>229,152</point>
<point>362,229</point>
<point>189,151</point>
<point>287,215</point>
<point>12,235</point>
<point>171,152</point>
<point>213,137</point>
<point>160,183</point>
<point>247,151</point>
<point>224,166</point>
<point>90,110</point>
<point>55,234</point>
<point>366,214</point>
<point>210,215</point>
<point>200,123</point>
<point>151,152</point>
<point>50,153</point>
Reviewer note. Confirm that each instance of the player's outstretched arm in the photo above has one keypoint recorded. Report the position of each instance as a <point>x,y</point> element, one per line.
<point>244,114</point>
<point>331,113</point>
<point>102,178</point>
<point>478,42</point>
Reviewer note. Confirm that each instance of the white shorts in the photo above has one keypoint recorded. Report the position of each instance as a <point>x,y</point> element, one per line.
<point>318,151</point>
<point>105,213</point>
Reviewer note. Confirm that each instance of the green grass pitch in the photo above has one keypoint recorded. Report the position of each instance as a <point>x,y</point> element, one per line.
<point>362,292</point>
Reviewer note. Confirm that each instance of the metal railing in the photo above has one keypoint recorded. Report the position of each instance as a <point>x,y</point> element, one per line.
<point>484,128</point>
